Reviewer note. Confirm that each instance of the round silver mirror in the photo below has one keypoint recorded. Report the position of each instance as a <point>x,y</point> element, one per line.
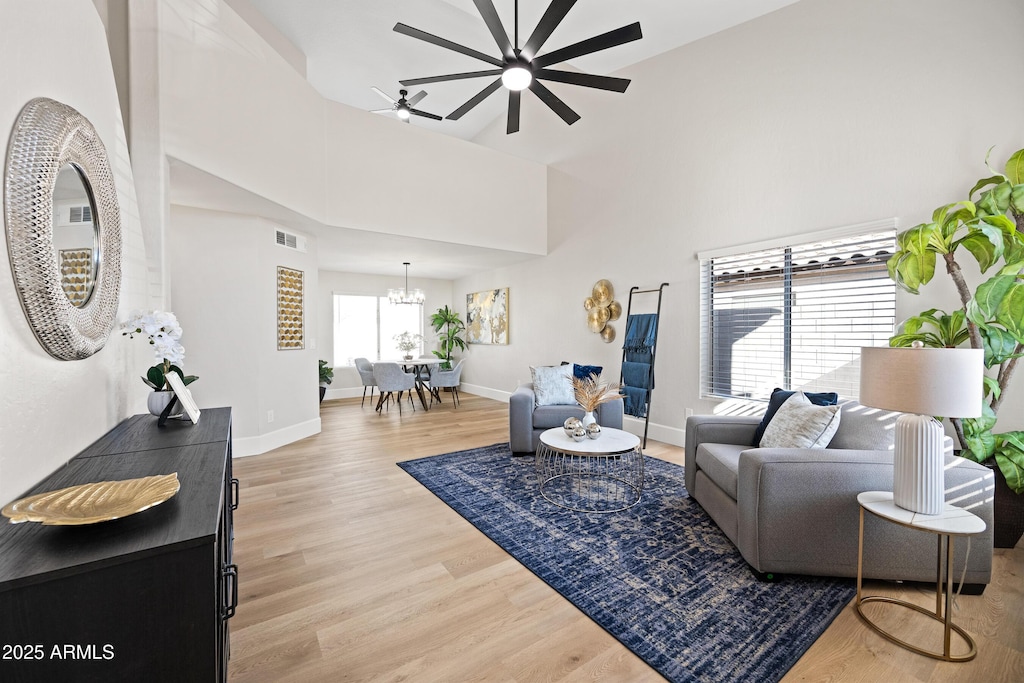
<point>67,271</point>
<point>75,234</point>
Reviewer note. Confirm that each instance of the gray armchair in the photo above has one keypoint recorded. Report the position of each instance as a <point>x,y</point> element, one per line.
<point>527,420</point>
<point>795,510</point>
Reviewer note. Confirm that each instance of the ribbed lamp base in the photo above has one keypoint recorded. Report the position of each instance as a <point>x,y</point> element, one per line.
<point>918,478</point>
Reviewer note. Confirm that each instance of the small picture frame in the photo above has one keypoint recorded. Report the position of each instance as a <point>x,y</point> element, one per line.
<point>183,395</point>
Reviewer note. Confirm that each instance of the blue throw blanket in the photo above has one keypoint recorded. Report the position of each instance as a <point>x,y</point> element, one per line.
<point>641,331</point>
<point>637,375</point>
<point>634,401</point>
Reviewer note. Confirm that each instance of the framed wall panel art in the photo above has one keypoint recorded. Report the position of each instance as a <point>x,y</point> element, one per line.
<point>289,309</point>
<point>487,317</point>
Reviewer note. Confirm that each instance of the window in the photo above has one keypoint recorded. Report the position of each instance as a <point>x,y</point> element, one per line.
<point>365,327</point>
<point>795,316</point>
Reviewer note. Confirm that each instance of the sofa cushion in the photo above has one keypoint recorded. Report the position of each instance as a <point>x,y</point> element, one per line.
<point>865,429</point>
<point>779,397</point>
<point>721,463</point>
<point>552,386</point>
<point>546,417</point>
<point>801,424</point>
<point>585,371</point>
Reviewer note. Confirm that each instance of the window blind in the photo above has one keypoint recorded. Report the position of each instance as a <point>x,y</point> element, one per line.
<point>795,316</point>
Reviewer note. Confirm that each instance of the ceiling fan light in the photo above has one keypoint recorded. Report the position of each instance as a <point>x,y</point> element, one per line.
<point>516,77</point>
<point>403,113</point>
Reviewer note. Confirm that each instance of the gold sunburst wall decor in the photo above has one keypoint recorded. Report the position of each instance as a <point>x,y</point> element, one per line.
<point>602,309</point>
<point>289,309</point>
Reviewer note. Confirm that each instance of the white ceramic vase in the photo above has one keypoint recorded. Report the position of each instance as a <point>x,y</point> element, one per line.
<point>588,419</point>
<point>158,400</point>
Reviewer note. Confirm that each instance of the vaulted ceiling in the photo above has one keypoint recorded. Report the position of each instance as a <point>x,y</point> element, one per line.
<point>350,45</point>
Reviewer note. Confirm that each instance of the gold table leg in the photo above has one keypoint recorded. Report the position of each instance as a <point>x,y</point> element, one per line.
<point>946,619</point>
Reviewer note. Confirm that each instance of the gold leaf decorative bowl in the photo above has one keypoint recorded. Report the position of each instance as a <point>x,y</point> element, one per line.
<point>91,503</point>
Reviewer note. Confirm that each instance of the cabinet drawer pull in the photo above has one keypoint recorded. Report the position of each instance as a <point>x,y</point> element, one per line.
<point>231,574</point>
<point>235,493</point>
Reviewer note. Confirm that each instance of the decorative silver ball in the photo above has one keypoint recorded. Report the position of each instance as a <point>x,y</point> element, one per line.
<point>593,430</point>
<point>579,434</point>
<point>570,425</point>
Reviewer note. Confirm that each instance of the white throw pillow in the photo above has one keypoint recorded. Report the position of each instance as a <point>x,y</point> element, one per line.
<point>801,424</point>
<point>552,386</point>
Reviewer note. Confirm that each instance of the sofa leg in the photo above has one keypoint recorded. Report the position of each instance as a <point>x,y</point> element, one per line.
<point>765,577</point>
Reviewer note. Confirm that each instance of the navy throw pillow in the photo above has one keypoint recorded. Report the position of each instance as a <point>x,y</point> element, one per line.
<point>779,397</point>
<point>585,371</point>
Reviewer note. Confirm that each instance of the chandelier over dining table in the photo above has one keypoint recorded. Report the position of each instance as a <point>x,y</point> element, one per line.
<point>406,295</point>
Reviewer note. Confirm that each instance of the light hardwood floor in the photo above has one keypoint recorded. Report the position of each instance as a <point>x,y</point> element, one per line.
<point>352,571</point>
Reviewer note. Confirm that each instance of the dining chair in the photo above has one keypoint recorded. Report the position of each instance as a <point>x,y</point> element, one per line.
<point>365,369</point>
<point>440,379</point>
<point>391,378</point>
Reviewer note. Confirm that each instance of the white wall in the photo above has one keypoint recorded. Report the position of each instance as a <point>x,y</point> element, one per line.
<point>224,287</point>
<point>232,107</point>
<point>822,114</point>
<point>51,409</point>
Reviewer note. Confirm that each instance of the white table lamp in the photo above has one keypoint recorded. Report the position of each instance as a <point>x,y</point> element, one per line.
<point>921,383</point>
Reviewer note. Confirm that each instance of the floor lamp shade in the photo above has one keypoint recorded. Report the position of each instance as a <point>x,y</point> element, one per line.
<point>921,383</point>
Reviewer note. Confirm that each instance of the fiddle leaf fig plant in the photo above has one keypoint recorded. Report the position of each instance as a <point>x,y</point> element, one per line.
<point>989,230</point>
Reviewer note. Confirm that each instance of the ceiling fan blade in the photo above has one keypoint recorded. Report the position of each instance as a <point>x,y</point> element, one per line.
<point>382,111</point>
<point>425,114</point>
<point>586,80</point>
<point>553,15</point>
<point>450,77</point>
<point>383,94</point>
<point>558,106</point>
<point>626,34</point>
<point>416,98</point>
<point>490,15</point>
<point>441,42</point>
<point>513,111</point>
<point>475,100</point>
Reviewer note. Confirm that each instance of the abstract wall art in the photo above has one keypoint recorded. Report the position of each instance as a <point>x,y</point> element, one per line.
<point>487,317</point>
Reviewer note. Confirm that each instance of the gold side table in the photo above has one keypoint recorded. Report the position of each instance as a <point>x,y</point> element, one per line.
<point>953,521</point>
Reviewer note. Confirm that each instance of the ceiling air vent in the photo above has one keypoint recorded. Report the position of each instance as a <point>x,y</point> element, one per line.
<point>287,239</point>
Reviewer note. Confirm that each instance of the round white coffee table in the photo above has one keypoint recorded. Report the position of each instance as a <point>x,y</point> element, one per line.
<point>594,475</point>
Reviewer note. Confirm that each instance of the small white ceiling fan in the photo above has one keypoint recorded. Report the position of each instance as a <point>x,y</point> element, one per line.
<point>404,108</point>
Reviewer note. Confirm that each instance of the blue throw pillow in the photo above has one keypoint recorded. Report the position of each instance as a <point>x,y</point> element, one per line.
<point>779,397</point>
<point>585,371</point>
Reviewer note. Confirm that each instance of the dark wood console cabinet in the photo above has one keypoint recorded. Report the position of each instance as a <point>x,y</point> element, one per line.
<point>144,598</point>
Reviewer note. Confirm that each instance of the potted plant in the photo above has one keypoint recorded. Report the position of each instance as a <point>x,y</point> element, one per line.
<point>326,377</point>
<point>452,326</point>
<point>406,342</point>
<point>989,230</point>
<point>162,330</point>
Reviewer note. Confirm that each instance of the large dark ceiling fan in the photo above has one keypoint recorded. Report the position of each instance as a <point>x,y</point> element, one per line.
<point>521,68</point>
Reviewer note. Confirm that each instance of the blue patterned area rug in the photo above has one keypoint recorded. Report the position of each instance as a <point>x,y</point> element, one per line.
<point>660,576</point>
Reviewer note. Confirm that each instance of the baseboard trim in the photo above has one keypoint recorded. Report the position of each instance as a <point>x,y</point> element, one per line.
<point>255,445</point>
<point>486,392</point>
<point>663,433</point>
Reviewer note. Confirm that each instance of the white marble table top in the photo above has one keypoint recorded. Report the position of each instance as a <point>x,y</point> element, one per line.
<point>610,442</point>
<point>953,520</point>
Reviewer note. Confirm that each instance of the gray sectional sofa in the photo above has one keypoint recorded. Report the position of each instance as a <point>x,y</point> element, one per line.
<point>795,511</point>
<point>527,421</point>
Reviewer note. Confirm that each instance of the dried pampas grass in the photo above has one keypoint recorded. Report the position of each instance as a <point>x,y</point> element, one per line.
<point>591,392</point>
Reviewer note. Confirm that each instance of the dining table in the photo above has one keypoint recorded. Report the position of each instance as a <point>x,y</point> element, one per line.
<point>415,365</point>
